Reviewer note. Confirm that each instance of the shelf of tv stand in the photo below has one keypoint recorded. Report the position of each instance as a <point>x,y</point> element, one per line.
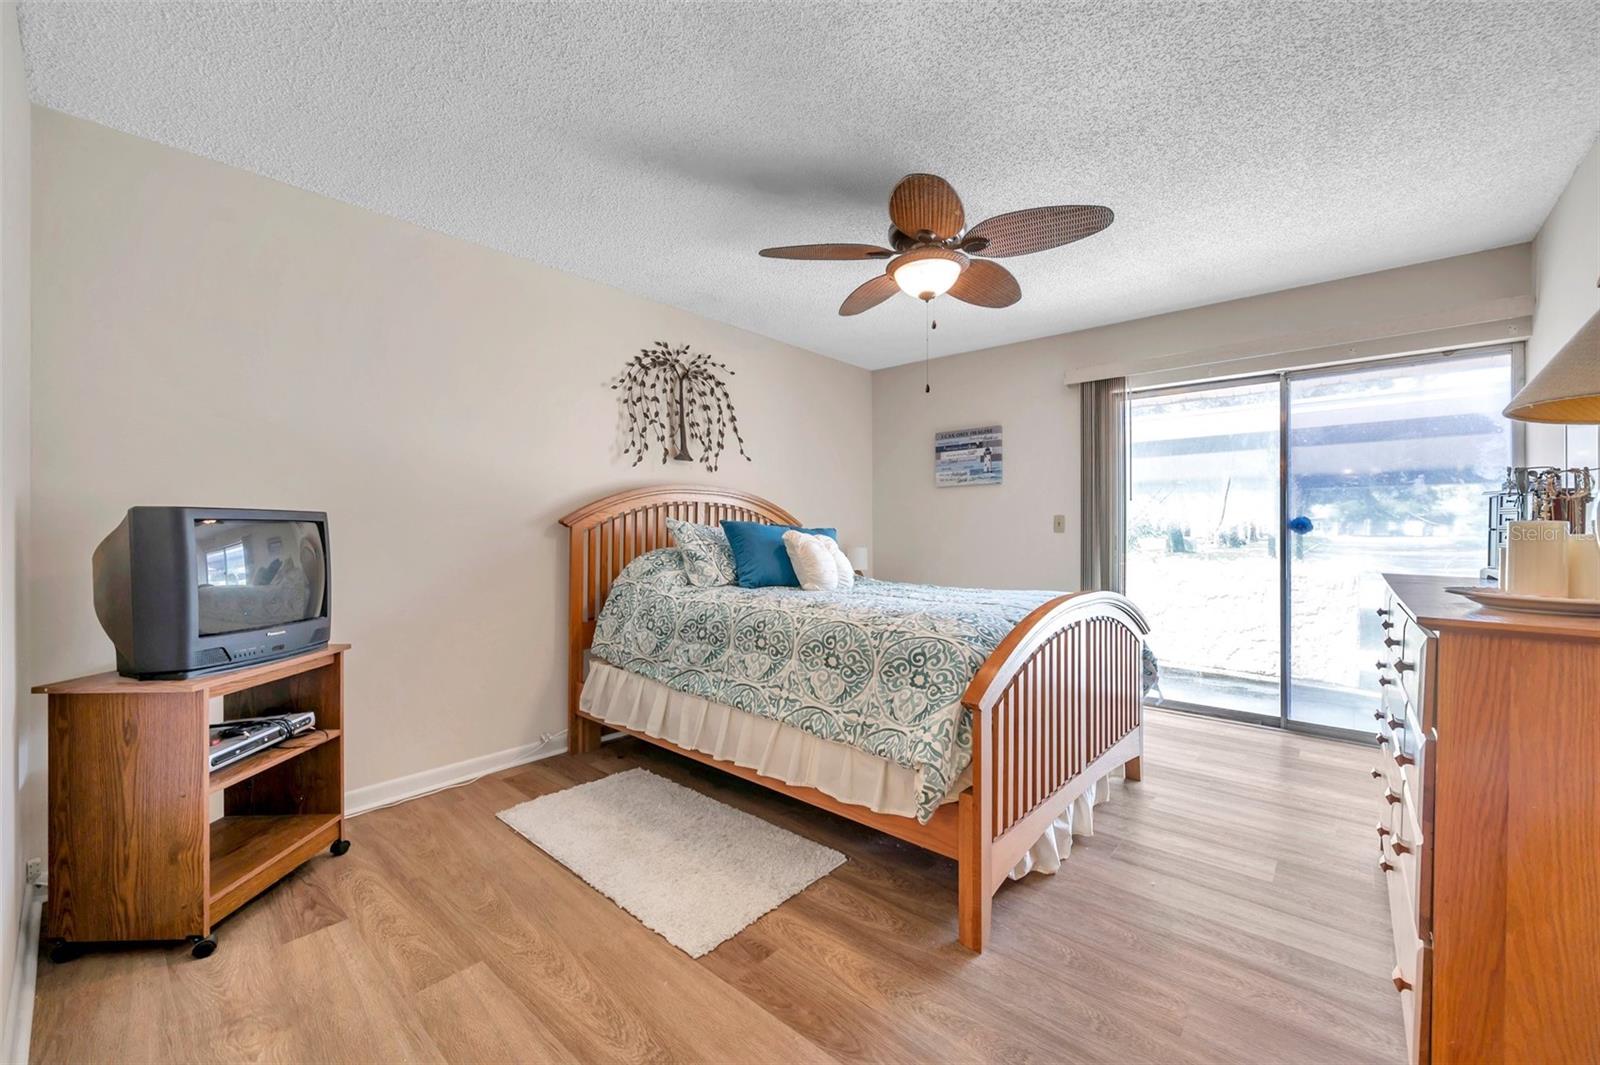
<point>245,768</point>
<point>250,851</point>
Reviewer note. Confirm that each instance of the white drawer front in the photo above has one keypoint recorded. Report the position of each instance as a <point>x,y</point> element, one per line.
<point>1410,956</point>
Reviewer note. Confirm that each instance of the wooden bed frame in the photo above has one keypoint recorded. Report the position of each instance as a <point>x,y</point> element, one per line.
<point>1057,705</point>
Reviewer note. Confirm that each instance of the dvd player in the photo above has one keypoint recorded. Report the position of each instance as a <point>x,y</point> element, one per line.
<point>242,737</point>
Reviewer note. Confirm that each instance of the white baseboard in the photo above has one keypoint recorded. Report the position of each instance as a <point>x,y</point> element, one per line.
<point>17,1033</point>
<point>371,797</point>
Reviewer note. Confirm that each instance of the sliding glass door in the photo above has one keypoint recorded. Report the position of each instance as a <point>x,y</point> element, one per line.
<point>1389,471</point>
<point>1203,525</point>
<point>1263,512</point>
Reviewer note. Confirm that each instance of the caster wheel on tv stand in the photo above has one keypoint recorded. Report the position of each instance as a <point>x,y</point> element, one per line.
<point>203,948</point>
<point>338,847</point>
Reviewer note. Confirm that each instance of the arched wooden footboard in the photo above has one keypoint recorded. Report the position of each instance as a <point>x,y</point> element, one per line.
<point>1054,708</point>
<point>1057,706</point>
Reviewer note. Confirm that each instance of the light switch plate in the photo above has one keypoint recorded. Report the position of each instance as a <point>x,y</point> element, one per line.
<point>1059,523</point>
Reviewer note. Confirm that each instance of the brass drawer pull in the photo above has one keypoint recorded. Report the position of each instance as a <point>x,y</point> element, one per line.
<point>1401,667</point>
<point>1383,830</point>
<point>1391,798</point>
<point>1399,846</point>
<point>1383,863</point>
<point>1385,680</point>
<point>1404,759</point>
<point>1397,723</point>
<point>1390,641</point>
<point>1383,612</point>
<point>1400,982</point>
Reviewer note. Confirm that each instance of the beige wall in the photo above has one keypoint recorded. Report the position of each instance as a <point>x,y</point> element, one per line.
<point>205,336</point>
<point>1566,267</point>
<point>21,745</point>
<point>996,536</point>
<point>1001,536</point>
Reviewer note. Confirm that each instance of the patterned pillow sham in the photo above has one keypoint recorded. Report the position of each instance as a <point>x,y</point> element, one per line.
<point>707,558</point>
<point>662,568</point>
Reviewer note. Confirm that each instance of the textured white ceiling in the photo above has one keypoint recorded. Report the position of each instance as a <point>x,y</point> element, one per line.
<point>1245,147</point>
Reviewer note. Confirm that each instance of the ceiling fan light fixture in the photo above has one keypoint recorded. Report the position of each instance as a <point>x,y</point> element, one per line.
<point>927,273</point>
<point>930,247</point>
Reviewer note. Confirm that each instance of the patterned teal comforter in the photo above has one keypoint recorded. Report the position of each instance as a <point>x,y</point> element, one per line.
<point>881,668</point>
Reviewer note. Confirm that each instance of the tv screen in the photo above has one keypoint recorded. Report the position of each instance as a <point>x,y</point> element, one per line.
<point>257,574</point>
<point>183,591</point>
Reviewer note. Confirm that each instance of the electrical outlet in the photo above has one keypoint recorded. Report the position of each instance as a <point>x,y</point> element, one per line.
<point>1059,523</point>
<point>35,870</point>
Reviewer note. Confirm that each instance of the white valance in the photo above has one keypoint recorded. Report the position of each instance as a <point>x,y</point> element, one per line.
<point>1467,301</point>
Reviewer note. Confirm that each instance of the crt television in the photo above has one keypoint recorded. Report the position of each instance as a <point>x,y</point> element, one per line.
<point>183,591</point>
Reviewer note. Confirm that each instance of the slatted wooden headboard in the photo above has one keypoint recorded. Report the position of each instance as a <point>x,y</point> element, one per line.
<point>608,534</point>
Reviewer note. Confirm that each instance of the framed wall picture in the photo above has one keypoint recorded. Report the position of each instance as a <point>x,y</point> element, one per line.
<point>967,456</point>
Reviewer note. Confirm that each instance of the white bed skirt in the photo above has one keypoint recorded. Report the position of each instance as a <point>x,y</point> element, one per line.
<point>798,758</point>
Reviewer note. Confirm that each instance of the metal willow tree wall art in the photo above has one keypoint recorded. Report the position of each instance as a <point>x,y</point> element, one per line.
<point>672,397</point>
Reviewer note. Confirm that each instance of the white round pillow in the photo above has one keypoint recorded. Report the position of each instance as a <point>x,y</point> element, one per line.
<point>819,562</point>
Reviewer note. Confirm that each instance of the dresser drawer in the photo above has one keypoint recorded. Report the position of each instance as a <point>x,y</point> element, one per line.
<point>1403,745</point>
<point>1404,664</point>
<point>1415,1005</point>
<point>1411,682</point>
<point>1406,854</point>
<point>1400,767</point>
<point>1407,943</point>
<point>1412,966</point>
<point>1397,692</point>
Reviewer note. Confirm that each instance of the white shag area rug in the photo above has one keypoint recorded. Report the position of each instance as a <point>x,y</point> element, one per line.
<point>690,868</point>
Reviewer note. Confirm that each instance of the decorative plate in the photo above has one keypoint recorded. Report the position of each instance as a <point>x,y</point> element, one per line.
<point>1533,604</point>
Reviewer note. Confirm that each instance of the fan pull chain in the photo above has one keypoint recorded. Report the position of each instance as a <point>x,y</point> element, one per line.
<point>927,342</point>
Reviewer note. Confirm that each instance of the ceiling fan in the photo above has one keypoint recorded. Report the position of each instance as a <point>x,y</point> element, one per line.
<point>931,252</point>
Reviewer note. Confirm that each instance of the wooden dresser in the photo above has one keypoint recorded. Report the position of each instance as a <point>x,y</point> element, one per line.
<point>1489,831</point>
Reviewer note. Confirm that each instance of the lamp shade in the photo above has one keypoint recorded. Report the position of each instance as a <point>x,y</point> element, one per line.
<point>927,273</point>
<point>1567,390</point>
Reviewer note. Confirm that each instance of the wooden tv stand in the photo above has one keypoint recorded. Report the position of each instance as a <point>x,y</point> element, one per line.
<point>133,852</point>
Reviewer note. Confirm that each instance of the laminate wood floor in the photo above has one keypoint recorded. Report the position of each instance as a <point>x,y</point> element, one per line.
<point>1228,908</point>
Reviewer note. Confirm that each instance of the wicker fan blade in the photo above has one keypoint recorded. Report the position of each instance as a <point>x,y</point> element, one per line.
<point>827,251</point>
<point>1036,229</point>
<point>926,203</point>
<point>986,284</point>
<point>869,295</point>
